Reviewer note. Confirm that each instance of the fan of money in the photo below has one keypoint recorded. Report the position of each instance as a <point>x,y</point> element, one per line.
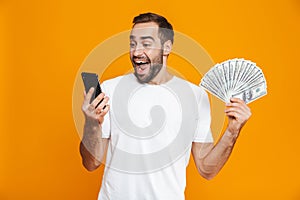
<point>237,78</point>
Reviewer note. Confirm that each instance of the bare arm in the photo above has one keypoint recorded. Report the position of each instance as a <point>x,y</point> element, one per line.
<point>93,146</point>
<point>210,159</point>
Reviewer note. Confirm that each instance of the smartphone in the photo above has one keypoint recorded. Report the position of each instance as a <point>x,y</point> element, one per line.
<point>91,80</point>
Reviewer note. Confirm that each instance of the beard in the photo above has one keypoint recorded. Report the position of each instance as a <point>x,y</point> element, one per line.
<point>154,69</point>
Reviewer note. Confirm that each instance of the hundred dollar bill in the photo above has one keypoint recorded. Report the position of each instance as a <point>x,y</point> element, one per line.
<point>211,90</point>
<point>217,72</point>
<point>255,80</point>
<point>252,93</point>
<point>235,78</point>
<point>226,75</point>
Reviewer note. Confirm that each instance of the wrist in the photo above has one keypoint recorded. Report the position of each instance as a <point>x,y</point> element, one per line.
<point>92,127</point>
<point>229,138</point>
<point>233,132</point>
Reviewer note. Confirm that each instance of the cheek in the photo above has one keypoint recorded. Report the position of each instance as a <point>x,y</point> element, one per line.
<point>154,54</point>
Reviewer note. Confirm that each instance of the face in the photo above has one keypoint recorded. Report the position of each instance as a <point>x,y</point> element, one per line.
<point>248,95</point>
<point>146,52</point>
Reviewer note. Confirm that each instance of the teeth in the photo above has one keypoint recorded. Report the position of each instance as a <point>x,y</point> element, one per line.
<point>140,62</point>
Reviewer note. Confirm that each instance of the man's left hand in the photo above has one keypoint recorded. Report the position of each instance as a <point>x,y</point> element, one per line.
<point>238,114</point>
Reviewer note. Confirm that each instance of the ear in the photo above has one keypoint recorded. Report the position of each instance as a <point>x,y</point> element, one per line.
<point>167,48</point>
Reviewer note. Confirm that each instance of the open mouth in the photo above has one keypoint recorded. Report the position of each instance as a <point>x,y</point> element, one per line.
<point>141,66</point>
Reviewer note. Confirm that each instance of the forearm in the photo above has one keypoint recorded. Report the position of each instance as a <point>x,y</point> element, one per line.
<point>211,158</point>
<point>92,146</point>
<point>212,161</point>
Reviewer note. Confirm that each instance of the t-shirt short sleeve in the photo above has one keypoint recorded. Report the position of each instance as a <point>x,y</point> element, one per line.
<point>106,123</point>
<point>203,131</point>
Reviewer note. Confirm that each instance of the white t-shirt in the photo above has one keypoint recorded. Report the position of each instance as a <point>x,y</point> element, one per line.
<point>146,159</point>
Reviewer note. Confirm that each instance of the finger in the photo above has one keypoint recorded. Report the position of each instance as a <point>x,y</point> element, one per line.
<point>239,114</point>
<point>102,102</point>
<point>241,102</point>
<point>238,102</point>
<point>233,110</point>
<point>105,110</point>
<point>88,96</point>
<point>102,105</point>
<point>233,114</point>
<point>242,106</point>
<point>100,116</point>
<point>97,100</point>
<point>239,110</point>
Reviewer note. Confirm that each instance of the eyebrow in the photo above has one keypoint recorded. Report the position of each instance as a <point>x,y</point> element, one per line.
<point>143,37</point>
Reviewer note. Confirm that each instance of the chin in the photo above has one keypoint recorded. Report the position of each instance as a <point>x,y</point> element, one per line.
<point>142,79</point>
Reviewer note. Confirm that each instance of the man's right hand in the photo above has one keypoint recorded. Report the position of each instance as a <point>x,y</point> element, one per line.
<point>93,146</point>
<point>92,114</point>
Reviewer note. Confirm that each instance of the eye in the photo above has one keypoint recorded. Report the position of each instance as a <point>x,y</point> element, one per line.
<point>146,45</point>
<point>132,45</point>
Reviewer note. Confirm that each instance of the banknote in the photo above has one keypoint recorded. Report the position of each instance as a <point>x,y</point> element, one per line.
<point>238,78</point>
<point>252,94</point>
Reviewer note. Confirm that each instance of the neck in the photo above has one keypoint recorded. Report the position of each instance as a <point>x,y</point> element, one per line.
<point>162,77</point>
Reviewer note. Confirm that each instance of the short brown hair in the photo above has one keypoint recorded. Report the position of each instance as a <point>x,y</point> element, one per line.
<point>165,31</point>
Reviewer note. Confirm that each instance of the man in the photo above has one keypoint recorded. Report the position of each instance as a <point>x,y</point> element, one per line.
<point>151,42</point>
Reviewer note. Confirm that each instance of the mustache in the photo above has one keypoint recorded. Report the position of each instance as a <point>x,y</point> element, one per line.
<point>146,57</point>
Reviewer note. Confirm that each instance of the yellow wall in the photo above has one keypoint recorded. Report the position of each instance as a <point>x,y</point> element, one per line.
<point>43,44</point>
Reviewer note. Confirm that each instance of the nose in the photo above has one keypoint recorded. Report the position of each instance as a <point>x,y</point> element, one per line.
<point>138,50</point>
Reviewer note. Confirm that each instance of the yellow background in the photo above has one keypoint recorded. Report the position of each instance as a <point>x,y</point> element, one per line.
<point>43,44</point>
